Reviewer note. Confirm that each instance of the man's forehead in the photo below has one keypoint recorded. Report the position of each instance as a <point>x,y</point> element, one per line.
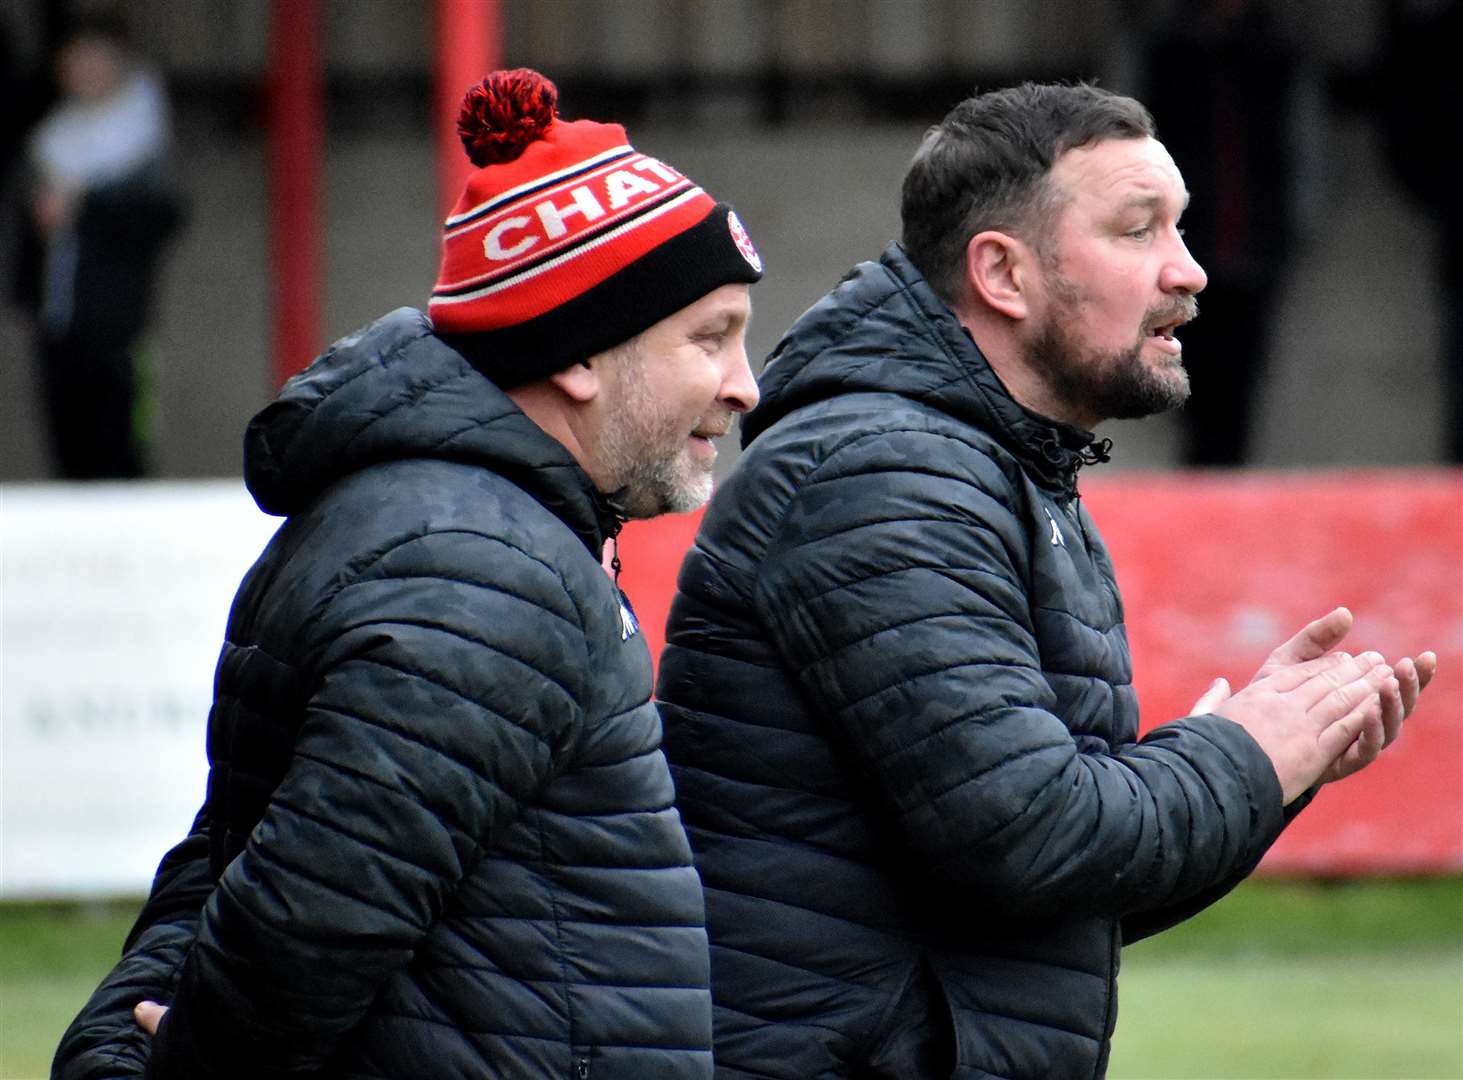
<point>1121,172</point>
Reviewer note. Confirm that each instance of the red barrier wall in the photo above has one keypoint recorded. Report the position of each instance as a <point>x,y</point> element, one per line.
<point>1218,569</point>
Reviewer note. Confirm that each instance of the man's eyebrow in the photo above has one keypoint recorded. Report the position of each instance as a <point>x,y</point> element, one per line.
<point>730,316</point>
<point>1150,201</point>
<point>718,323</point>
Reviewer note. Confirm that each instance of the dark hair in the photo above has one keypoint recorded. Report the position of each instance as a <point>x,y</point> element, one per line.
<point>986,166</point>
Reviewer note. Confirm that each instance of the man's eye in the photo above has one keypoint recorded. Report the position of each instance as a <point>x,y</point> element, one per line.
<point>1142,232</point>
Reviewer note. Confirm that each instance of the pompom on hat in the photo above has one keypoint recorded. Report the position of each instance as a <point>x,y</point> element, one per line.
<point>566,240</point>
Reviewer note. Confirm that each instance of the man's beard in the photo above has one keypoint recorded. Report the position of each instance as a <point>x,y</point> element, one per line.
<point>1113,385</point>
<point>644,452</point>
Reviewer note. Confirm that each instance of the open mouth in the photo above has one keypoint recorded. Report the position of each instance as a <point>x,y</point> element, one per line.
<point>701,447</point>
<point>1165,331</point>
<point>1169,319</point>
<point>1163,334</point>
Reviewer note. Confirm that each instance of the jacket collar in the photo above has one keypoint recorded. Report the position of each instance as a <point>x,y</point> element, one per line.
<point>884,330</point>
<point>392,391</point>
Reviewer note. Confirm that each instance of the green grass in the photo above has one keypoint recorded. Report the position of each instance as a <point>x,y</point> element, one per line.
<point>1309,918</point>
<point>1286,980</point>
<point>1367,1016</point>
<point>51,958</point>
<point>1282,980</point>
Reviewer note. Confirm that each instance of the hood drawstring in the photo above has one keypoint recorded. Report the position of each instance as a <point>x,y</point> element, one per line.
<point>1057,453</point>
<point>1095,453</point>
<point>1052,449</point>
<point>1067,459</point>
<point>615,565</point>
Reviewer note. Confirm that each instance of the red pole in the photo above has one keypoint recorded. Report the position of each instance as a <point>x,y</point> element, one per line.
<point>296,120</point>
<point>469,45</point>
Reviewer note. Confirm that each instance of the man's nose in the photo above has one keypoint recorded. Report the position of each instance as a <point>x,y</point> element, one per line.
<point>1182,273</point>
<point>739,391</point>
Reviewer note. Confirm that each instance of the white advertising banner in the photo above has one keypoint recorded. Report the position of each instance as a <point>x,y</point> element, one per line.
<point>113,602</point>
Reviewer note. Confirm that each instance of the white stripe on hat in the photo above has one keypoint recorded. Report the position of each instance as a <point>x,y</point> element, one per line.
<point>573,252</point>
<point>573,238</point>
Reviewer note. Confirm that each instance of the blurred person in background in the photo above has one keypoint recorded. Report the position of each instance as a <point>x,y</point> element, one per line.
<point>439,837</point>
<point>102,206</point>
<point>1239,111</point>
<point>897,693</point>
<point>1421,83</point>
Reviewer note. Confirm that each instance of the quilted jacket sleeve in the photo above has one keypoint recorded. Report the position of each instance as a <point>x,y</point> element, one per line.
<point>897,587</point>
<point>104,1039</point>
<point>1146,923</point>
<point>441,699</point>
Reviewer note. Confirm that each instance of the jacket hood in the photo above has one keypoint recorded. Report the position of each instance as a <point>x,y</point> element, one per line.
<point>393,391</point>
<point>883,330</point>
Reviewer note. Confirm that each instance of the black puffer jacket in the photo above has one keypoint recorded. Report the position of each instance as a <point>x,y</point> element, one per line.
<point>438,815</point>
<point>898,707</point>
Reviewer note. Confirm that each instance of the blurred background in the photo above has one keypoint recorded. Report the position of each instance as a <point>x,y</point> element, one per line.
<point>1297,136</point>
<point>280,171</point>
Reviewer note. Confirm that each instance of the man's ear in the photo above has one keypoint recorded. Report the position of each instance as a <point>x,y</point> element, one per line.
<point>998,269</point>
<point>579,382</point>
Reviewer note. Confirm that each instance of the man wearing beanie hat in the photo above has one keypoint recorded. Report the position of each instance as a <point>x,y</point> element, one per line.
<point>439,838</point>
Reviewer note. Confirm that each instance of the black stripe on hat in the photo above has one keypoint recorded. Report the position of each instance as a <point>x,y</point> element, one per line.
<point>661,282</point>
<point>499,201</point>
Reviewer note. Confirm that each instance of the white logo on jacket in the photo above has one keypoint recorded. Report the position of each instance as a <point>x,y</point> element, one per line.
<point>629,625</point>
<point>1058,540</point>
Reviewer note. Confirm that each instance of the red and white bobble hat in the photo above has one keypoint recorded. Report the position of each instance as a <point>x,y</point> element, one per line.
<point>568,241</point>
